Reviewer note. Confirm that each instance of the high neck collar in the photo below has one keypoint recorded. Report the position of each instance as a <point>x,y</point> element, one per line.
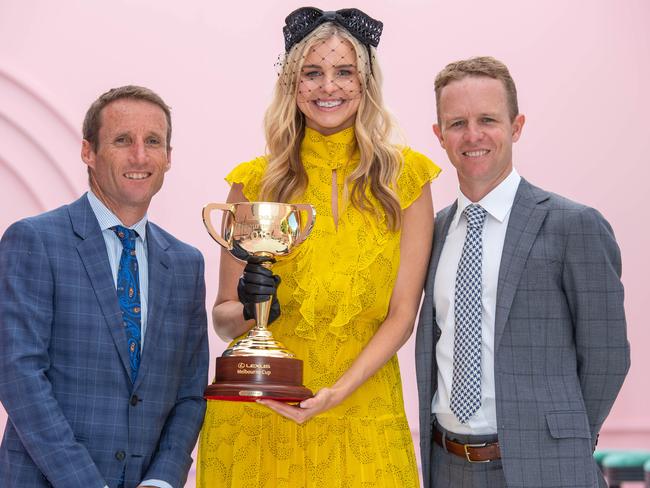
<point>332,151</point>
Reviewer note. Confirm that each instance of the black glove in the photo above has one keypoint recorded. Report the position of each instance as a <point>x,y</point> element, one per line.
<point>256,285</point>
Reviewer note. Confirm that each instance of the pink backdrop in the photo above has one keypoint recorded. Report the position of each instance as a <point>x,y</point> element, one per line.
<point>581,67</point>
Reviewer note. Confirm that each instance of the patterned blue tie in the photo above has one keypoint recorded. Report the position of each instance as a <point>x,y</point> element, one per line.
<point>128,294</point>
<point>466,381</point>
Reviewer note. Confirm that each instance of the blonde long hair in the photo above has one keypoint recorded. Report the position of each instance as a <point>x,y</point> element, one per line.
<point>284,125</point>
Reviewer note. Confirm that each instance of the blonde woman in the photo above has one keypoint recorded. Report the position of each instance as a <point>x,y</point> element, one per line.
<point>349,295</point>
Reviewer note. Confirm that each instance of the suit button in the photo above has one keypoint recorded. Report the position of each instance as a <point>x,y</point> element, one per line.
<point>120,455</point>
<point>134,400</point>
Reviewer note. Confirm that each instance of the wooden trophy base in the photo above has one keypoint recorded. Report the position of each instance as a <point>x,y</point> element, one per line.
<point>251,378</point>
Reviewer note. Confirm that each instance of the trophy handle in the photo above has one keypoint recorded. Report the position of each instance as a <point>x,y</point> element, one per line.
<point>208,223</point>
<point>311,215</point>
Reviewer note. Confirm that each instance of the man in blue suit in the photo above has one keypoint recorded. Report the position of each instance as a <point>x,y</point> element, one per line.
<point>103,338</point>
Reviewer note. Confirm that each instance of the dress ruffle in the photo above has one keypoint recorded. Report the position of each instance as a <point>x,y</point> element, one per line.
<point>341,270</point>
<point>331,286</point>
<point>249,174</point>
<point>418,170</point>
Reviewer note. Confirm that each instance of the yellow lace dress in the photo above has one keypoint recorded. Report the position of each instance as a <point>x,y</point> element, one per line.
<point>334,295</point>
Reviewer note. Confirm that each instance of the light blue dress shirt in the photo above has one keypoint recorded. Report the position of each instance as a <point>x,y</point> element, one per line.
<point>108,219</point>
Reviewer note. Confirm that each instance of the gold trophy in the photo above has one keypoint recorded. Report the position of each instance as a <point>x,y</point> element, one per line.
<point>258,366</point>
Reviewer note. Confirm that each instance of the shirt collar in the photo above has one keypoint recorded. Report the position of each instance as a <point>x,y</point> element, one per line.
<point>497,203</point>
<point>108,219</point>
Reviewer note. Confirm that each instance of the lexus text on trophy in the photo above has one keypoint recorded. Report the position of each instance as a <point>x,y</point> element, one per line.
<point>258,366</point>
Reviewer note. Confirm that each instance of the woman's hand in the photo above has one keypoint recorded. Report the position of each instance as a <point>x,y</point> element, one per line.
<point>258,284</point>
<point>321,402</point>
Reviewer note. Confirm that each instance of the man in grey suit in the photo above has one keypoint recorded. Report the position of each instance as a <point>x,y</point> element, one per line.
<point>103,338</point>
<point>521,345</point>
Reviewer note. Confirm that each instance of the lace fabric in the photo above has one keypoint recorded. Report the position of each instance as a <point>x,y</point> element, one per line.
<point>335,293</point>
<point>341,283</point>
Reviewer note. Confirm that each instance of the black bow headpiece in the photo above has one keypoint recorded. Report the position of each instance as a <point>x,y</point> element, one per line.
<point>300,23</point>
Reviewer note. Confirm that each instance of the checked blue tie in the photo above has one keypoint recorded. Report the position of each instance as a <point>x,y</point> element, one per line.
<point>128,295</point>
<point>466,381</point>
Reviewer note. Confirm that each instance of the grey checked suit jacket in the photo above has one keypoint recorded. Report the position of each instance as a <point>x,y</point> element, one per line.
<point>561,350</point>
<point>75,418</point>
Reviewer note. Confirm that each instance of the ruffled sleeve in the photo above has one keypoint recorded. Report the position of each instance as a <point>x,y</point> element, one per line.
<point>249,174</point>
<point>417,170</point>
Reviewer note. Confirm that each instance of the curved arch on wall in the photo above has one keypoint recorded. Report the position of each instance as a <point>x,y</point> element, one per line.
<point>38,148</point>
<point>19,184</point>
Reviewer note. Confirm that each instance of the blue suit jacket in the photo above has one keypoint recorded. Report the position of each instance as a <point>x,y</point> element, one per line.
<point>75,417</point>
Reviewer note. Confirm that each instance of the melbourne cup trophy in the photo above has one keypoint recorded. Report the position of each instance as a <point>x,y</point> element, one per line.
<point>258,366</point>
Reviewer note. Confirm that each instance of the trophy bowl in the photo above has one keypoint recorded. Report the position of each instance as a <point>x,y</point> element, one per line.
<point>258,366</point>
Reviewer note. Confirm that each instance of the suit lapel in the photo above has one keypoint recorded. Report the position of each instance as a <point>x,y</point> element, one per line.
<point>526,218</point>
<point>92,251</point>
<point>160,283</point>
<point>443,221</point>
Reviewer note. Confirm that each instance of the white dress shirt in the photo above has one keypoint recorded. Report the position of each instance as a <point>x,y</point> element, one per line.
<point>106,220</point>
<point>497,203</point>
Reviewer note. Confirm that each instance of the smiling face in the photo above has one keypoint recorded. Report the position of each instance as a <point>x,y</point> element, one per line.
<point>128,167</point>
<point>477,132</point>
<point>329,90</point>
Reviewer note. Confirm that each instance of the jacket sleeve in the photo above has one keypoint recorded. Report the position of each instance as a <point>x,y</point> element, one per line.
<point>592,282</point>
<point>27,291</point>
<point>173,460</point>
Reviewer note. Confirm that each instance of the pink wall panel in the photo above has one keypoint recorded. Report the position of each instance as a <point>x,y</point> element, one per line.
<point>581,70</point>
